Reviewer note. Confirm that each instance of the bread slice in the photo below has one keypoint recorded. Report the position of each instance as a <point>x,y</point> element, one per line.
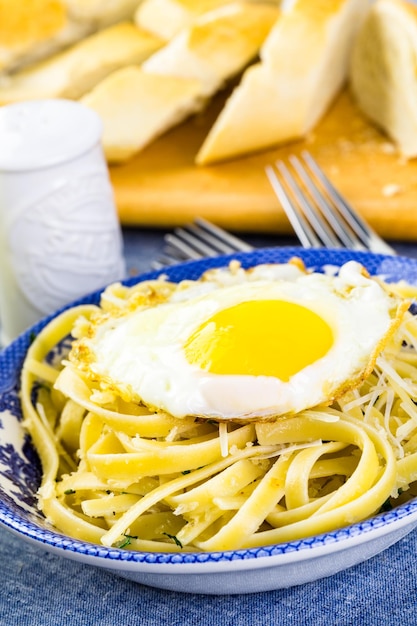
<point>101,13</point>
<point>383,72</point>
<point>165,18</point>
<point>27,25</point>
<point>73,72</point>
<point>216,46</point>
<point>304,62</point>
<point>136,107</point>
<point>31,30</point>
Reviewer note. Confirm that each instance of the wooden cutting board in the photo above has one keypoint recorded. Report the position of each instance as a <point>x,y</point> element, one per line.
<point>162,187</point>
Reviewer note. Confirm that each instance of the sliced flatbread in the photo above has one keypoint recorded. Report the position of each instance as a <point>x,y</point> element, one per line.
<point>217,46</point>
<point>383,73</point>
<point>27,28</point>
<point>179,79</point>
<point>31,30</point>
<point>136,107</point>
<point>73,72</point>
<point>101,13</point>
<point>166,18</point>
<point>304,62</point>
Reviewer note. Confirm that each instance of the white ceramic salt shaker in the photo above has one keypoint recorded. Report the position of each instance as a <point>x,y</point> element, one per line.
<point>60,237</point>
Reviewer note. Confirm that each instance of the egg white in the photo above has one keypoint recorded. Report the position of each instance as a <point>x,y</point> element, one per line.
<point>143,351</point>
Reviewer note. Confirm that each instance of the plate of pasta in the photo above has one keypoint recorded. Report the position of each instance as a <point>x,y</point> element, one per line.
<point>235,425</point>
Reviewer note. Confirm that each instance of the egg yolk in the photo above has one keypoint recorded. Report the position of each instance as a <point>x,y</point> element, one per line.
<point>260,338</point>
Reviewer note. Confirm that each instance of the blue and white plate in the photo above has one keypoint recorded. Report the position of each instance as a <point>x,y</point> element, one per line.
<point>235,571</point>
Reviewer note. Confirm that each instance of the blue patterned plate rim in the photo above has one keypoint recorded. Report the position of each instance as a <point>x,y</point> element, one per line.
<point>15,518</point>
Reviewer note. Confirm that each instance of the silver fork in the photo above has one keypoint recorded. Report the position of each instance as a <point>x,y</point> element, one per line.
<point>318,213</point>
<point>198,240</point>
<point>320,216</point>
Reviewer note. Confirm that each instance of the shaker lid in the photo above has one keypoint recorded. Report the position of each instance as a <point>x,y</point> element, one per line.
<point>42,133</point>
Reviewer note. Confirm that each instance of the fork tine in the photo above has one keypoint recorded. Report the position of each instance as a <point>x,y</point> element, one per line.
<point>206,241</point>
<point>301,227</point>
<point>196,241</point>
<point>353,219</point>
<point>174,241</point>
<point>342,232</point>
<point>317,211</point>
<point>364,232</point>
<point>324,233</point>
<point>220,236</point>
<point>163,261</point>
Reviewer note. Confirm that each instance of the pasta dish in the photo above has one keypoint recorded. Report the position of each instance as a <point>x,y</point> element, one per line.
<point>125,464</point>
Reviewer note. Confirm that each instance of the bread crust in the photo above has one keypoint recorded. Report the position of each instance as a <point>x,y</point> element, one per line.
<point>31,30</point>
<point>382,74</point>
<point>304,63</point>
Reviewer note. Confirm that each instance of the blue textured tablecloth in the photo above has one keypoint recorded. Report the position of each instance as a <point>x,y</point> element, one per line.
<point>38,588</point>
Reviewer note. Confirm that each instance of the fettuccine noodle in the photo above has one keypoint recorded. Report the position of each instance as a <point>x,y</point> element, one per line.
<point>117,474</point>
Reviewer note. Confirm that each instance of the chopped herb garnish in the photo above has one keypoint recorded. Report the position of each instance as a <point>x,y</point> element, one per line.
<point>123,543</point>
<point>175,539</point>
<point>69,492</point>
<point>189,471</point>
<point>126,541</point>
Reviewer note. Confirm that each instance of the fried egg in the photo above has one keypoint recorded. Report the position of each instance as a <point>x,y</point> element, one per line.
<point>244,344</point>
